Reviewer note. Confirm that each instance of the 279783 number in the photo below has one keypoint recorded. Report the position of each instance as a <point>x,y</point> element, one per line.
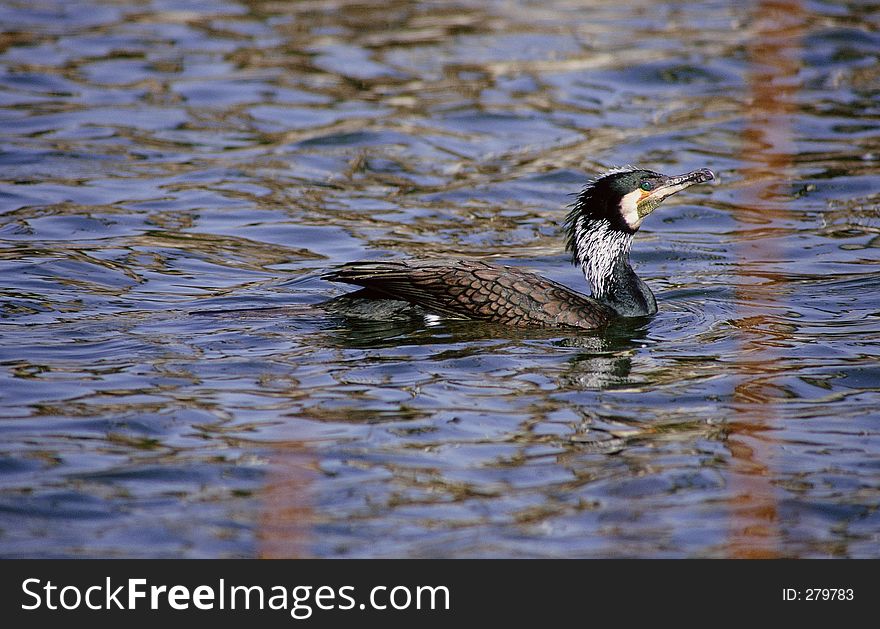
<point>828,594</point>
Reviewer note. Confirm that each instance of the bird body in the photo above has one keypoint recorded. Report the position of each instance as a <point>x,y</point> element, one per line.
<point>600,228</point>
<point>468,289</point>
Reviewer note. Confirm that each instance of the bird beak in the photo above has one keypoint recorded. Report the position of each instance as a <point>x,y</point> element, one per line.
<point>669,186</point>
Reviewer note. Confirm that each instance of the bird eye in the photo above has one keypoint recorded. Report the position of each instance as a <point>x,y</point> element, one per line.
<point>647,186</point>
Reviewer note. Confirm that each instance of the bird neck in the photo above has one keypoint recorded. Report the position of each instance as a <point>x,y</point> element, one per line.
<point>603,254</point>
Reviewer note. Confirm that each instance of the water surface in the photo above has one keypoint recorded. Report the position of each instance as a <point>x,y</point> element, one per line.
<point>171,157</point>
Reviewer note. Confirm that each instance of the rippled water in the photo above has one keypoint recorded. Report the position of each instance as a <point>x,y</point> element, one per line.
<point>165,158</point>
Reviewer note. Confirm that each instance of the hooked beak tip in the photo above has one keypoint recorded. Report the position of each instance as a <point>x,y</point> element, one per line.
<point>674,184</point>
<point>704,175</point>
<point>694,177</point>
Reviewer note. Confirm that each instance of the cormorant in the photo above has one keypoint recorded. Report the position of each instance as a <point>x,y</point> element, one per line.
<point>600,228</point>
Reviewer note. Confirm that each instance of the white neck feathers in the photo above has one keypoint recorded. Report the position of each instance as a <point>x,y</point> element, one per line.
<point>599,247</point>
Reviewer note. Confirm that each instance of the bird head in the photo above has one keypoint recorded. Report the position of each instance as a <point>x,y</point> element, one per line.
<point>623,197</point>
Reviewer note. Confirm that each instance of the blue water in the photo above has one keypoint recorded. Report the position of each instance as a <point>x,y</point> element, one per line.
<point>171,157</point>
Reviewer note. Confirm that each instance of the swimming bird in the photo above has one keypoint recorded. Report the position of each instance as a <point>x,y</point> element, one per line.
<point>600,227</point>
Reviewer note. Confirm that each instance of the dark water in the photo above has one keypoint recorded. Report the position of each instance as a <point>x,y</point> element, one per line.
<point>174,156</point>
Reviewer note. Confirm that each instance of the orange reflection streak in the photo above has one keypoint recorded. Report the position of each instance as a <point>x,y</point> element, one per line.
<point>287,514</point>
<point>774,53</point>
